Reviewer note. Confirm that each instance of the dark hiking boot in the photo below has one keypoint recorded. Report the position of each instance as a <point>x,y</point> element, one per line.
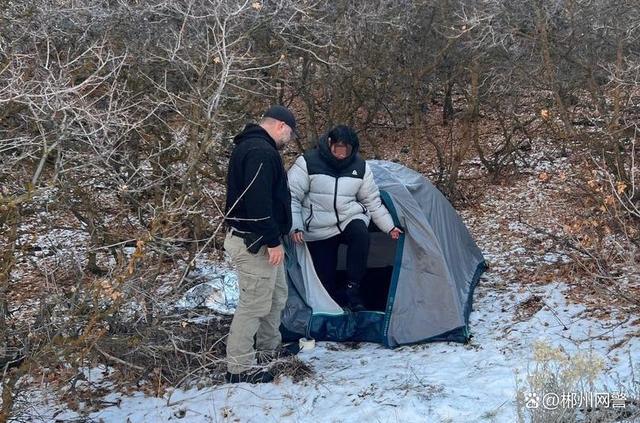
<point>288,350</point>
<point>258,376</point>
<point>354,300</point>
<point>283,351</point>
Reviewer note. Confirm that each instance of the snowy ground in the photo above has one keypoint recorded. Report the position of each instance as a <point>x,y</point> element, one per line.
<point>430,382</point>
<point>442,382</point>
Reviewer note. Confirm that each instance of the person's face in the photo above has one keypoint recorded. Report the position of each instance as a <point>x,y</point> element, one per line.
<point>340,150</point>
<point>285,134</point>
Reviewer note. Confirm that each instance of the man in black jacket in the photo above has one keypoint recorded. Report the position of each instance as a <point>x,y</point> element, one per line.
<point>258,213</point>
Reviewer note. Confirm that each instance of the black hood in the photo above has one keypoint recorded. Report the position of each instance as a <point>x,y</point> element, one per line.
<point>254,131</point>
<point>345,134</point>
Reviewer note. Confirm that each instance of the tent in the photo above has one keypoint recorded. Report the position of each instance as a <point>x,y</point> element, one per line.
<point>417,289</point>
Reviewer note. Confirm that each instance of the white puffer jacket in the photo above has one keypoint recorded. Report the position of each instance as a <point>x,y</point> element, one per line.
<point>324,199</point>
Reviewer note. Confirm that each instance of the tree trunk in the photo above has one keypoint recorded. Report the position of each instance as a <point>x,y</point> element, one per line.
<point>550,74</point>
<point>470,130</point>
<point>447,108</point>
<point>10,217</point>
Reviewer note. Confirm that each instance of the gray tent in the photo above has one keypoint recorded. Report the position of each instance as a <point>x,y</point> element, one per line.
<point>417,289</point>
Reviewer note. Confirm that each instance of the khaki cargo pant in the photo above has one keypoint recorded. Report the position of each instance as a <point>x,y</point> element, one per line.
<point>263,294</point>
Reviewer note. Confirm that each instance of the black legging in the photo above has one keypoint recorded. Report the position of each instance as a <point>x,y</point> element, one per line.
<point>325,255</point>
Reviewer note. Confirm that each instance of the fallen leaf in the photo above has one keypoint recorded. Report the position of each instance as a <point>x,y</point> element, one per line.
<point>609,200</point>
<point>620,187</point>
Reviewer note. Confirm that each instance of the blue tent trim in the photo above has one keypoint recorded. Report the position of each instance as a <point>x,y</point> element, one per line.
<point>363,326</point>
<point>386,198</point>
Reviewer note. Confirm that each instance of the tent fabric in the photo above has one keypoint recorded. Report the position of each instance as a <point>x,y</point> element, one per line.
<point>421,285</point>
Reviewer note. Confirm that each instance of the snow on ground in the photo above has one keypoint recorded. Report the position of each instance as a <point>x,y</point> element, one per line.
<point>430,382</point>
<point>444,382</point>
<point>219,292</point>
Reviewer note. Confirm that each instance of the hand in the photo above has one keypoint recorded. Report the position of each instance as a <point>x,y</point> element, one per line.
<point>395,232</point>
<point>297,237</point>
<point>276,255</point>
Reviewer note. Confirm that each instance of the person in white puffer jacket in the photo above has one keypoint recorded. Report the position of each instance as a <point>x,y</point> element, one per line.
<point>333,199</point>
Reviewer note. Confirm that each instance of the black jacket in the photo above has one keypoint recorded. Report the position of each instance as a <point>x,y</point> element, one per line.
<point>267,198</point>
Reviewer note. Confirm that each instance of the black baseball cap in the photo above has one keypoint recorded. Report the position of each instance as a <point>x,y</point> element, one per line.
<point>282,114</point>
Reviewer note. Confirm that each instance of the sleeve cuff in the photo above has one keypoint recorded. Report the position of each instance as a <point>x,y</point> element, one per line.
<point>272,243</point>
<point>389,225</point>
